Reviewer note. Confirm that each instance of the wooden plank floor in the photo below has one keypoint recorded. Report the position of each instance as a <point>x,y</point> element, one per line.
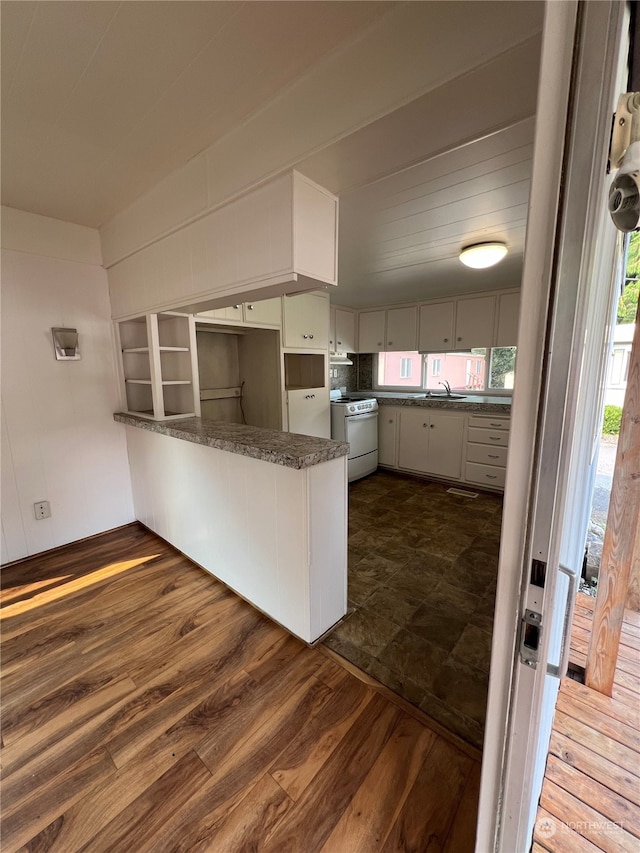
<point>145,707</point>
<point>591,793</point>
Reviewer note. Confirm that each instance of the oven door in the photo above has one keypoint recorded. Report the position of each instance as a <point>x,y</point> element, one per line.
<point>361,431</point>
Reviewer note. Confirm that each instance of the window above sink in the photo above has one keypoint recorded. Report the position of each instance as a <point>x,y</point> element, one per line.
<point>476,371</point>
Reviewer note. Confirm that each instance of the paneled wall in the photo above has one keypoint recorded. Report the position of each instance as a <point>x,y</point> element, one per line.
<point>59,440</point>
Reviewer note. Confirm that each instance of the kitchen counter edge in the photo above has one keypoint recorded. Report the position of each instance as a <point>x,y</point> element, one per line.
<point>457,405</point>
<point>280,448</point>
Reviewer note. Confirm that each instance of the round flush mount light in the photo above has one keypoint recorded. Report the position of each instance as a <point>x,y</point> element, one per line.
<point>482,255</point>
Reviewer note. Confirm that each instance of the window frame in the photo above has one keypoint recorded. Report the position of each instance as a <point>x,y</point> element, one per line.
<point>421,388</point>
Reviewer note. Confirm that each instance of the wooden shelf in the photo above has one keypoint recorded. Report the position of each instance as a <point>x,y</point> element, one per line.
<point>173,349</point>
<point>138,381</point>
<point>176,382</point>
<point>136,349</point>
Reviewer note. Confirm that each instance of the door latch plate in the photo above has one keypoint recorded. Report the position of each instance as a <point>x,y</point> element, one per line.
<point>530,634</point>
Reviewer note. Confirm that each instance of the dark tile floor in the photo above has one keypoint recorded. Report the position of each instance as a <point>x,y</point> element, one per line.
<point>422,581</point>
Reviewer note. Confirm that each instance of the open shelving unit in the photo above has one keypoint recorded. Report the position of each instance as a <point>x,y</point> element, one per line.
<point>159,370</point>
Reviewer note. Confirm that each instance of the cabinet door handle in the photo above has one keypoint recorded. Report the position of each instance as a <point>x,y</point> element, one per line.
<point>339,343</point>
<point>459,339</point>
<point>379,343</point>
<point>390,420</point>
<point>424,425</point>
<point>390,343</point>
<point>305,337</point>
<point>250,307</point>
<point>446,340</point>
<point>311,336</point>
<point>237,307</point>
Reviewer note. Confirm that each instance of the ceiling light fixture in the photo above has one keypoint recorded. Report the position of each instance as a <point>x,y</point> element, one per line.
<point>482,255</point>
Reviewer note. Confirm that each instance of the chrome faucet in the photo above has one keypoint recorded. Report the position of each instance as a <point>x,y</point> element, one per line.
<point>446,386</point>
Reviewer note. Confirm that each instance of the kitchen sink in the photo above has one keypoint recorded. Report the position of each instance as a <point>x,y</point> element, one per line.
<point>438,395</point>
<point>434,395</point>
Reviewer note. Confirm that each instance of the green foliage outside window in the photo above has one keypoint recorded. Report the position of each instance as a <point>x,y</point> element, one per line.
<point>612,420</point>
<point>628,303</point>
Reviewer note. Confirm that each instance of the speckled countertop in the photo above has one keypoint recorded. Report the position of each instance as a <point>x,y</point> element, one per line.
<point>471,403</point>
<point>269,445</point>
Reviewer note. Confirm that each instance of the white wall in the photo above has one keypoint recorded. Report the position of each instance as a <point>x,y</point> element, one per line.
<point>59,440</point>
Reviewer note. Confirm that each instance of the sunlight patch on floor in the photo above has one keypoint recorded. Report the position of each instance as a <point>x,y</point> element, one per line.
<point>18,591</point>
<point>73,586</point>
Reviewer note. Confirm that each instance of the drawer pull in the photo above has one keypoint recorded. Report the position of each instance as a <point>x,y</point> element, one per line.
<point>491,476</point>
<point>493,456</point>
<point>495,425</point>
<point>495,437</point>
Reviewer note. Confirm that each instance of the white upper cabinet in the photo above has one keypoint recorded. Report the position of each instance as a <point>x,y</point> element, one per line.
<point>371,326</point>
<point>402,330</point>
<point>436,327</point>
<point>474,322</point>
<point>507,322</point>
<point>306,321</point>
<point>345,331</point>
<point>265,312</point>
<point>278,238</point>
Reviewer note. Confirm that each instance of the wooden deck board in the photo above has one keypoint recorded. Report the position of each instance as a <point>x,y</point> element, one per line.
<point>146,707</point>
<point>591,794</point>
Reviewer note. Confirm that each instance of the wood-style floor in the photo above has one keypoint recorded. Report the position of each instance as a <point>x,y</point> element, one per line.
<point>145,707</point>
<point>590,798</point>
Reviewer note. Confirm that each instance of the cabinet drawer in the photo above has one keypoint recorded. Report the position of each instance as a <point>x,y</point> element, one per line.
<point>488,436</point>
<point>486,455</point>
<point>489,423</point>
<point>485,474</point>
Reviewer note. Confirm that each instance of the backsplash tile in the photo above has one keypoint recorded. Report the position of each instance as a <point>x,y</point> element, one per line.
<point>358,377</point>
<point>346,376</point>
<point>364,366</point>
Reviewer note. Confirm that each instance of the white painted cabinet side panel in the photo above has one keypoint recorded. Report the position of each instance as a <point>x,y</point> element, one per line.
<point>258,527</point>
<point>293,551</point>
<point>262,537</point>
<point>315,231</point>
<point>328,570</point>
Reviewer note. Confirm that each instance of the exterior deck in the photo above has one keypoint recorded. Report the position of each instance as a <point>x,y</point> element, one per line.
<point>590,799</point>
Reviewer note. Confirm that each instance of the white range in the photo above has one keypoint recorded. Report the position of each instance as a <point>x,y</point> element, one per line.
<point>356,420</point>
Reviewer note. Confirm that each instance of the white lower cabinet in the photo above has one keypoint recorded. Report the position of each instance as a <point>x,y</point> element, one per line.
<point>435,442</point>
<point>486,451</point>
<point>431,442</point>
<point>388,436</point>
<point>309,412</point>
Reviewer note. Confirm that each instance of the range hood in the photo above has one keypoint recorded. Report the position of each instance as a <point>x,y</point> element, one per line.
<point>339,358</point>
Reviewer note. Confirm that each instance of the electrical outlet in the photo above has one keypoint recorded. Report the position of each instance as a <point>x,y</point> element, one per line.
<point>42,509</point>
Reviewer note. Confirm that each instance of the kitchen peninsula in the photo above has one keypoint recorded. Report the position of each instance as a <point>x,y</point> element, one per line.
<point>263,511</point>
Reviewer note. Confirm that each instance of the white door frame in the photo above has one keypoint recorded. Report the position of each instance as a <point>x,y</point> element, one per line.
<point>567,239</point>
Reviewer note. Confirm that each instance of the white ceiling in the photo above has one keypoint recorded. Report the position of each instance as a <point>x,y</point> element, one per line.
<point>102,100</point>
<point>400,237</point>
